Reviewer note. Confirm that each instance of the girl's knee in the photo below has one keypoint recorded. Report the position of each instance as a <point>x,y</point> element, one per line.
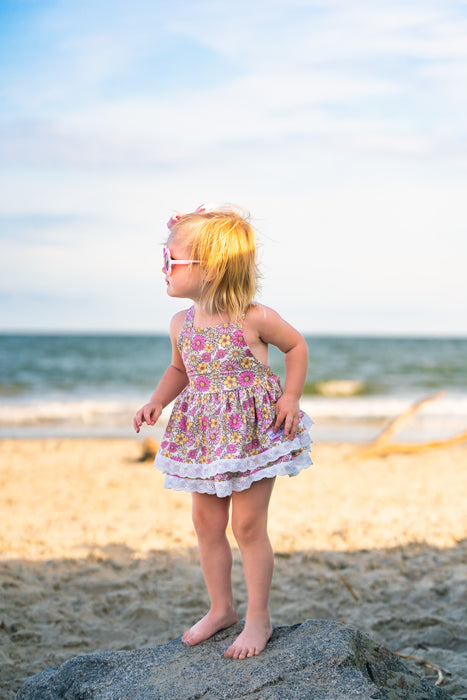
<point>210,521</point>
<point>250,512</point>
<point>249,529</point>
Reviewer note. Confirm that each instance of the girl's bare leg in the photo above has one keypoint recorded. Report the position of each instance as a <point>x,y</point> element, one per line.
<point>249,524</point>
<point>210,518</point>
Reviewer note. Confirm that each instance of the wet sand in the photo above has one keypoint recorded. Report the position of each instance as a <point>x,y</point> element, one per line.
<point>96,555</point>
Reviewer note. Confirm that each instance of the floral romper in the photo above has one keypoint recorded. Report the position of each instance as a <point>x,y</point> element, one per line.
<point>220,437</point>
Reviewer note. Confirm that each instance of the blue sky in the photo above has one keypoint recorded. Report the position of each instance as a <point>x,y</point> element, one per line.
<point>340,126</point>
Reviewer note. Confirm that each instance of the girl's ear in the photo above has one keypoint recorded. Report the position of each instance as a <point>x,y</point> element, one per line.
<point>209,274</point>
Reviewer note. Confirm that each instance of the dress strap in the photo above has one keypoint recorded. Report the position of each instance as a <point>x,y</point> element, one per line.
<point>186,329</point>
<point>190,315</point>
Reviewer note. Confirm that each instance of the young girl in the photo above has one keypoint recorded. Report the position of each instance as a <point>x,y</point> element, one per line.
<point>232,429</point>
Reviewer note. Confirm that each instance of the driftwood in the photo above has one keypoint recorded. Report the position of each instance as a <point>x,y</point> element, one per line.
<point>383,444</point>
<point>350,588</point>
<point>149,451</point>
<point>442,672</point>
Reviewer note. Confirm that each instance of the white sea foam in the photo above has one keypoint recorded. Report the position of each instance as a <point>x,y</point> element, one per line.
<point>72,418</point>
<point>84,412</point>
<point>367,407</point>
<point>87,412</point>
<point>336,418</point>
<point>359,419</point>
<point>340,387</point>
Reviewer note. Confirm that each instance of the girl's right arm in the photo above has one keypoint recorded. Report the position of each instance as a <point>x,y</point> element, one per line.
<point>173,381</point>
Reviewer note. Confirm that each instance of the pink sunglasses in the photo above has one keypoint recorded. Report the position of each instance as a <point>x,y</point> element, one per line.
<point>168,261</point>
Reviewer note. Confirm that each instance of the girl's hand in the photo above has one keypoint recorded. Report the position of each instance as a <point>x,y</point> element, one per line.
<point>287,413</point>
<point>149,414</point>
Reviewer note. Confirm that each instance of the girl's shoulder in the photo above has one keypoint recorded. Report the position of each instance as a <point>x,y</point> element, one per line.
<point>266,324</point>
<point>177,322</point>
<point>260,324</point>
<point>259,315</point>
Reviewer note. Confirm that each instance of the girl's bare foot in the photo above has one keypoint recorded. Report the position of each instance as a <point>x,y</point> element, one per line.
<point>251,641</point>
<point>209,625</point>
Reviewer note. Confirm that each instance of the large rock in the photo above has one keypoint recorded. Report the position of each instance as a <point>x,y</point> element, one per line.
<point>319,659</point>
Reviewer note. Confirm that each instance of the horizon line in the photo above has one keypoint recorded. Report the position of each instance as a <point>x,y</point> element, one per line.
<point>421,335</point>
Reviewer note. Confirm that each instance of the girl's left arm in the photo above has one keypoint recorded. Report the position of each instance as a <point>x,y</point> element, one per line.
<point>273,329</point>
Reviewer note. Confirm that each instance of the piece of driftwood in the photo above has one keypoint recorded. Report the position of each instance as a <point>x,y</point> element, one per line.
<point>442,672</point>
<point>383,444</point>
<point>350,588</point>
<point>149,451</point>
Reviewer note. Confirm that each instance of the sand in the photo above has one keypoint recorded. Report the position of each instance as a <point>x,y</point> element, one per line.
<point>96,555</point>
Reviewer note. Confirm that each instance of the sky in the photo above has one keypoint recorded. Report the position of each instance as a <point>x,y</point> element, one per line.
<point>340,126</point>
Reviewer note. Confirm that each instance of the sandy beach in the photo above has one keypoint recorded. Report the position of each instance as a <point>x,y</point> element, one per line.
<point>96,555</point>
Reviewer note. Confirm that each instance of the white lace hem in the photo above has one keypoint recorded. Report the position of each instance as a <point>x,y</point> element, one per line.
<point>195,470</point>
<point>223,489</point>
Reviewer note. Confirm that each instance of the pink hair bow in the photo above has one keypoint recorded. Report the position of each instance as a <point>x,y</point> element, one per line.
<point>203,207</point>
<point>173,220</point>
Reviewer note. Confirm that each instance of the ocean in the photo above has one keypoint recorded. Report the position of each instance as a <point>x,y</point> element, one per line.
<point>91,385</point>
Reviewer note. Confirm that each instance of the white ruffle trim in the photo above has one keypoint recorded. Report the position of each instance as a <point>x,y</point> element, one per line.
<point>223,489</point>
<point>196,471</point>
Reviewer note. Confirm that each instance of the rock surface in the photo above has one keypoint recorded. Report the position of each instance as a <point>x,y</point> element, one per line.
<point>319,659</point>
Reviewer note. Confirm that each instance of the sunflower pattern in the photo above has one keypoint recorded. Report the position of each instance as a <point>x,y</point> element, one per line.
<point>219,437</point>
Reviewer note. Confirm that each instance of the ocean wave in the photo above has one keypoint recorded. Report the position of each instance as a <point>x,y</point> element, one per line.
<point>383,407</point>
<point>14,388</point>
<point>78,412</point>
<point>340,387</point>
<point>337,419</point>
<point>90,412</point>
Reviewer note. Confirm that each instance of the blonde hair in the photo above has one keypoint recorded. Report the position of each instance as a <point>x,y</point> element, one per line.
<point>225,242</point>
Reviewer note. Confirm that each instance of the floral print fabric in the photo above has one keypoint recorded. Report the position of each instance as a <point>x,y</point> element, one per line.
<point>219,437</point>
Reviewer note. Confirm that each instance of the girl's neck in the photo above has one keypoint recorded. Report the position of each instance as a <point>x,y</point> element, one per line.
<point>203,319</point>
